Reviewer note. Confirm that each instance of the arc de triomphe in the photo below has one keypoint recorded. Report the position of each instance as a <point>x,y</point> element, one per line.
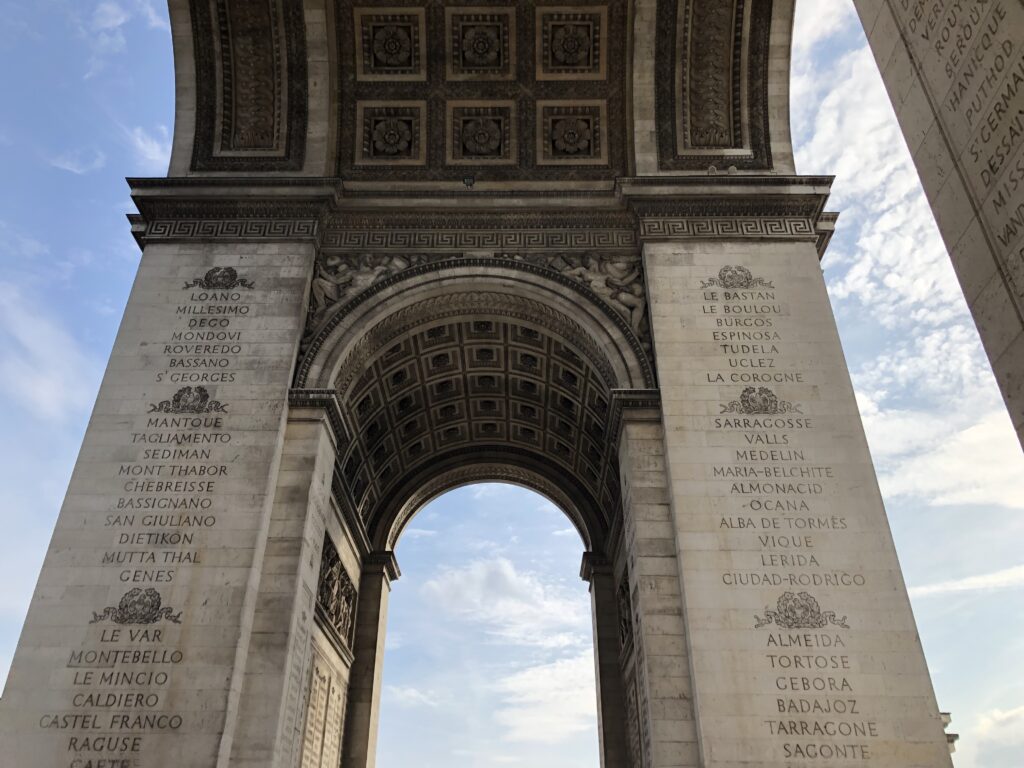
<point>409,245</point>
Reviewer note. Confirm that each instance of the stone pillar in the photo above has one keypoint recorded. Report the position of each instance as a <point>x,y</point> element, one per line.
<point>135,643</point>
<point>277,667</point>
<point>658,686</point>
<point>955,73</point>
<point>363,713</point>
<point>611,726</point>
<point>804,647</point>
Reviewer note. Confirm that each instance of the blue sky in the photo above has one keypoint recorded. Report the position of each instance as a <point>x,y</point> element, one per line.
<point>89,89</point>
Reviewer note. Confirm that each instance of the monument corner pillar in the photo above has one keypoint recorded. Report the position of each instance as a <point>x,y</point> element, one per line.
<point>802,643</point>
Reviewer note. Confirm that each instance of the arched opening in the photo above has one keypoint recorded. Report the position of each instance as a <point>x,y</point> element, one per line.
<point>509,377</point>
<point>489,653</point>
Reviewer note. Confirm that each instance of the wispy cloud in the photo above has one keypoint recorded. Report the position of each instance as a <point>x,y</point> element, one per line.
<point>514,607</point>
<point>489,490</point>
<point>419,533</point>
<point>151,151</point>
<point>549,703</point>
<point>408,696</point>
<point>998,738</point>
<point>1008,578</point>
<point>104,28</point>
<point>154,18</point>
<point>41,364</point>
<point>79,162</point>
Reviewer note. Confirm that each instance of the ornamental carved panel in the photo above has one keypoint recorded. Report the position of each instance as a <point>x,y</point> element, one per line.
<point>711,76</point>
<point>251,109</point>
<point>336,595</point>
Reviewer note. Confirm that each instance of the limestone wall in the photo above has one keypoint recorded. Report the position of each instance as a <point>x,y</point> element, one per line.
<point>140,624</point>
<point>802,640</point>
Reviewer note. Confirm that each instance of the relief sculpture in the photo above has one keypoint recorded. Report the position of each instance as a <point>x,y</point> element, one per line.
<point>616,280</point>
<point>336,594</point>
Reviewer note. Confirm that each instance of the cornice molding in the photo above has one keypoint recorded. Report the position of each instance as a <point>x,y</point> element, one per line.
<point>323,212</point>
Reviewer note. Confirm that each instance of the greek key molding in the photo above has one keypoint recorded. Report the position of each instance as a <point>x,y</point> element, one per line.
<point>763,227</point>
<point>232,229</point>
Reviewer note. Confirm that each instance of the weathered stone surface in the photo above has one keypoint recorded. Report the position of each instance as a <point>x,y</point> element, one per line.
<point>802,640</point>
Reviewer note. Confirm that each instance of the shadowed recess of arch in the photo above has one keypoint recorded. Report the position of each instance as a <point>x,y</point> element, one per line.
<point>431,385</point>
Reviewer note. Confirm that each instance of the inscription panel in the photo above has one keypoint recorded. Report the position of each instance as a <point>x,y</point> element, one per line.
<point>140,603</point>
<point>804,646</point>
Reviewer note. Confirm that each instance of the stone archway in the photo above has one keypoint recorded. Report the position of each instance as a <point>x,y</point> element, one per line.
<point>491,381</point>
<point>383,259</point>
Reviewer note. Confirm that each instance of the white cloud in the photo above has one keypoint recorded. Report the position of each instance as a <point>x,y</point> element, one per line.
<point>152,152</point>
<point>566,532</point>
<point>999,738</point>
<point>899,268</point>
<point>516,608</point>
<point>104,29</point>
<point>407,696</point>
<point>41,364</point>
<point>16,247</point>
<point>1008,578</point>
<point>549,703</point>
<point>79,162</point>
<point>154,18</point>
<point>978,464</point>
<point>489,490</point>
<point>817,21</point>
<point>418,533</point>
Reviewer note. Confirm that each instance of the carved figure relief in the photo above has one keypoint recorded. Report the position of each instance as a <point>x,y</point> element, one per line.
<point>138,606</point>
<point>625,613</point>
<point>799,612</point>
<point>617,280</point>
<point>336,594</point>
<point>189,400</point>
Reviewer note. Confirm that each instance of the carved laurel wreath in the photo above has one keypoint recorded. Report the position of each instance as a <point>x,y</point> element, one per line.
<point>138,606</point>
<point>799,612</point>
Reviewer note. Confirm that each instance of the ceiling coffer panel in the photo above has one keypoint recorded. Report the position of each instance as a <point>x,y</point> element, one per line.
<point>434,91</point>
